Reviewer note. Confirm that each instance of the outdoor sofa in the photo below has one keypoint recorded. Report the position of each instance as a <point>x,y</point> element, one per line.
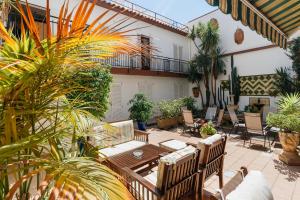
<point>122,137</point>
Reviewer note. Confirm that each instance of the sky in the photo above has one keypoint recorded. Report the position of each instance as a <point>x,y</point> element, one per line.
<point>179,10</point>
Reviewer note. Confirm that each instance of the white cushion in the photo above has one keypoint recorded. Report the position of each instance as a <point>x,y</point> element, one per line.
<point>253,187</point>
<point>241,125</point>
<point>274,129</point>
<point>125,130</point>
<point>120,148</point>
<point>172,158</point>
<point>152,177</point>
<point>174,144</point>
<point>210,140</point>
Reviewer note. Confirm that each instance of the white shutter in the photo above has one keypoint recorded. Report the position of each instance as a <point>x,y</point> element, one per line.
<point>175,51</point>
<point>180,52</point>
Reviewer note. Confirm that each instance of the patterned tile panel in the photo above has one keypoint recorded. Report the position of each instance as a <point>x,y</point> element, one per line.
<point>257,85</point>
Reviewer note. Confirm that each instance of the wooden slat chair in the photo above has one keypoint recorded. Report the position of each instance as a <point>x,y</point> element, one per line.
<point>236,124</point>
<point>176,176</point>
<point>211,159</point>
<point>218,123</point>
<point>254,127</point>
<point>211,113</point>
<point>244,184</point>
<point>189,122</point>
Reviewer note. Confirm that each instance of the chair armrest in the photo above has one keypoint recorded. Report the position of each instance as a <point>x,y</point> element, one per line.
<point>141,136</point>
<point>135,182</point>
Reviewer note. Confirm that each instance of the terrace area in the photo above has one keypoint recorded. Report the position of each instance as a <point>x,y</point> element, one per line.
<point>280,177</point>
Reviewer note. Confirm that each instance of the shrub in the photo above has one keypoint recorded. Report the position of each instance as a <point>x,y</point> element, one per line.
<point>172,108</point>
<point>208,129</point>
<point>288,117</point>
<point>93,90</point>
<point>141,108</point>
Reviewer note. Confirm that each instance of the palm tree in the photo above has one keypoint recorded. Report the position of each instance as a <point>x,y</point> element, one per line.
<point>39,126</point>
<point>5,8</point>
<point>219,67</point>
<point>208,34</point>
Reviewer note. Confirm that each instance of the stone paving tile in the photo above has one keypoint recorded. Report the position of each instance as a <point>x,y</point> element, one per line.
<point>283,180</point>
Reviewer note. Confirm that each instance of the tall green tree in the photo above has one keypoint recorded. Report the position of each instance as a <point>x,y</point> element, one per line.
<point>208,35</point>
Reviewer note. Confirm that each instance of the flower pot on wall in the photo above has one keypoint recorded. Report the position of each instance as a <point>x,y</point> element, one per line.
<point>289,142</point>
<point>196,91</point>
<point>166,123</point>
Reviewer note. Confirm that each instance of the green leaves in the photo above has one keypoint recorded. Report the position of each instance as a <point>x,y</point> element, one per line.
<point>288,117</point>
<point>208,129</point>
<point>140,108</point>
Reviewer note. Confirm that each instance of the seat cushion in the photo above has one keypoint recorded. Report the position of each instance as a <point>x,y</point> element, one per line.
<point>173,145</point>
<point>212,139</point>
<point>125,129</point>
<point>152,177</point>
<point>253,187</point>
<point>172,158</point>
<point>120,148</point>
<point>169,159</point>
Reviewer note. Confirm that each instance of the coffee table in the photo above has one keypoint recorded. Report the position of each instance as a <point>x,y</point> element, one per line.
<point>127,159</point>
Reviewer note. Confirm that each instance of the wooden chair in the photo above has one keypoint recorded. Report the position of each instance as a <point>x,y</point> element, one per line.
<point>244,185</point>
<point>236,124</point>
<point>254,127</point>
<point>211,113</point>
<point>172,180</point>
<point>218,123</point>
<point>189,122</point>
<point>230,185</point>
<point>211,159</point>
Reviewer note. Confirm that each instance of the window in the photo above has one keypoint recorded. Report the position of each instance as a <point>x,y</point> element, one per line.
<point>39,14</point>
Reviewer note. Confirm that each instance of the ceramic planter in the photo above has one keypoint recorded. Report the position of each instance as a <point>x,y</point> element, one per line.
<point>141,125</point>
<point>196,91</point>
<point>289,142</point>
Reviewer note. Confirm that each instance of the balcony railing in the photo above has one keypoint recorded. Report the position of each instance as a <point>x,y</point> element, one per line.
<point>149,14</point>
<point>153,63</point>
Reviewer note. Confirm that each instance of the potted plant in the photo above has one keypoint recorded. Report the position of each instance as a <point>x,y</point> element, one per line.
<point>169,113</point>
<point>208,129</point>
<point>288,121</point>
<point>140,110</point>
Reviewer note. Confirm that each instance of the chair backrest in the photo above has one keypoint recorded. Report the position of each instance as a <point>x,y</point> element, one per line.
<point>212,152</point>
<point>265,110</point>
<point>177,176</point>
<point>125,130</point>
<point>232,115</point>
<point>220,117</point>
<point>211,113</point>
<point>187,117</point>
<point>253,122</point>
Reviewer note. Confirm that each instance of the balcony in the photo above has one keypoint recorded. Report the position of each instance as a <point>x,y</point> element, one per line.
<point>141,11</point>
<point>153,65</point>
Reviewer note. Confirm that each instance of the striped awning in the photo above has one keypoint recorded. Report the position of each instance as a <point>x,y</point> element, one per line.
<point>273,19</point>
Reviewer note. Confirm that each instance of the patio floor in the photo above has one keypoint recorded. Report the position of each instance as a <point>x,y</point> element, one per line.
<point>283,180</point>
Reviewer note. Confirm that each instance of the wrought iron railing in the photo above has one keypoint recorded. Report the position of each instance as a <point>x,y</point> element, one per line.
<point>153,63</point>
<point>149,14</point>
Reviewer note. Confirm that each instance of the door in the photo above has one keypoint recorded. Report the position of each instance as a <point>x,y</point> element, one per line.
<point>145,55</point>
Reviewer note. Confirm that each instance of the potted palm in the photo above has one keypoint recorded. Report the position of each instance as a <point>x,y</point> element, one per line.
<point>140,110</point>
<point>288,121</point>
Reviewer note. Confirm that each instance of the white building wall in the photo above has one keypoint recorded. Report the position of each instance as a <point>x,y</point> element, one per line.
<point>156,88</point>
<point>252,63</point>
<point>161,39</point>
<point>124,87</point>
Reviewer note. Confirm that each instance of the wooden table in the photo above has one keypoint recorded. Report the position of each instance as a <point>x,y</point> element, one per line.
<point>126,159</point>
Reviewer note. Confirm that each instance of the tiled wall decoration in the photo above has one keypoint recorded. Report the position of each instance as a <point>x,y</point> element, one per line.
<point>257,85</point>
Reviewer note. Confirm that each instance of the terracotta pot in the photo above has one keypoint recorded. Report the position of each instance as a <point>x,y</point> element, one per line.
<point>180,119</point>
<point>196,91</point>
<point>166,123</point>
<point>289,142</point>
